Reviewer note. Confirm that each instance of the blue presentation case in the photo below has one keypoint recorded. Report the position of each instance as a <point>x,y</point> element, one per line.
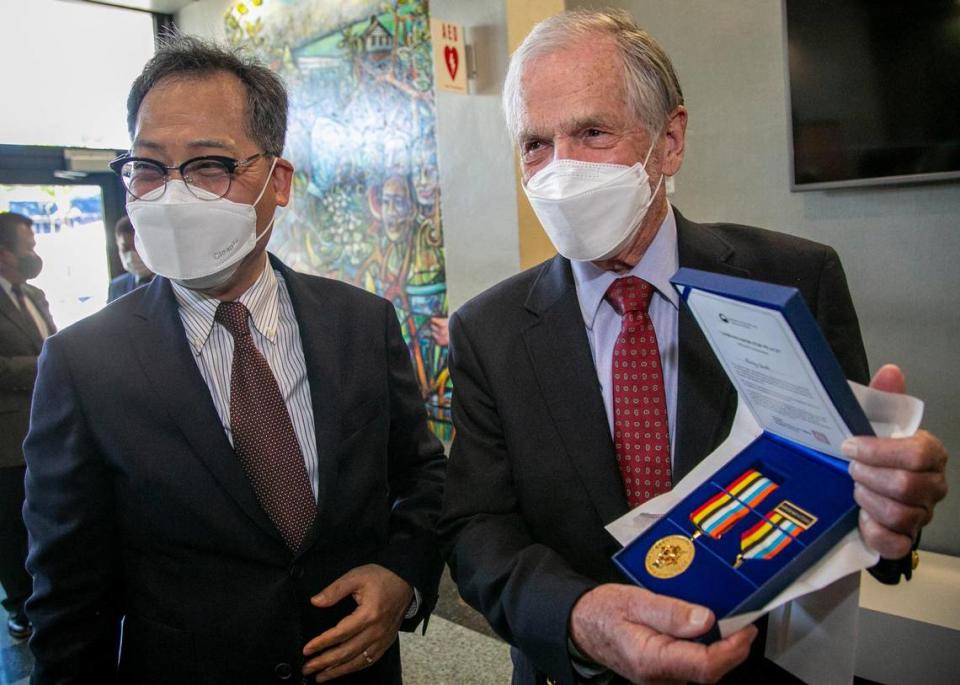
<point>804,414</point>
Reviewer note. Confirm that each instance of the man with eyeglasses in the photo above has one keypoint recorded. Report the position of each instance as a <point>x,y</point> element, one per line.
<point>247,483</point>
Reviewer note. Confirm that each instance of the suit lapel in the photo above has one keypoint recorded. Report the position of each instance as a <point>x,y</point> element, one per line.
<point>706,400</point>
<point>319,321</point>
<point>20,319</point>
<point>159,341</point>
<point>560,354</point>
<point>40,302</point>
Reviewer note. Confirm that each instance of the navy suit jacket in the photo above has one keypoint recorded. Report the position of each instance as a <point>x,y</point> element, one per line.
<point>121,285</point>
<point>138,508</point>
<point>533,475</point>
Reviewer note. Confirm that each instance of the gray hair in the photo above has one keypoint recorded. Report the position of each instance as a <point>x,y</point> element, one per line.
<point>188,56</point>
<point>651,85</point>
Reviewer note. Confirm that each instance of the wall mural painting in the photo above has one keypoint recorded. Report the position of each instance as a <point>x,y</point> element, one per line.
<point>366,202</point>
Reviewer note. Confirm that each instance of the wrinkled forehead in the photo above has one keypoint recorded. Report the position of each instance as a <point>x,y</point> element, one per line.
<point>573,84</point>
<point>184,108</point>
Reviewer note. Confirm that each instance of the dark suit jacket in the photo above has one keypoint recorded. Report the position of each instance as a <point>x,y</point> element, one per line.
<point>19,346</point>
<point>121,285</point>
<point>533,475</point>
<point>139,509</point>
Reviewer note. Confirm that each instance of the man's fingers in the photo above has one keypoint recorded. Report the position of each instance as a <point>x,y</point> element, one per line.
<point>889,544</point>
<point>343,586</point>
<point>668,615</point>
<point>919,452</point>
<point>665,658</point>
<point>899,517</point>
<point>921,489</point>
<point>348,627</point>
<point>707,664</point>
<point>355,663</point>
<point>889,378</point>
<point>340,654</point>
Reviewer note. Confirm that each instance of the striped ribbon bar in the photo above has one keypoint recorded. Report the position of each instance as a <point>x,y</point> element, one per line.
<point>722,511</point>
<point>774,532</point>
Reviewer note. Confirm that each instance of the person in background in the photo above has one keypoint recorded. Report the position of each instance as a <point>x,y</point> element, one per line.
<point>24,323</point>
<point>244,479</point>
<point>550,441</point>
<point>137,273</point>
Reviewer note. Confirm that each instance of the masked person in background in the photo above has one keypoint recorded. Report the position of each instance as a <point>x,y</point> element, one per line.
<point>137,273</point>
<point>550,444</point>
<point>247,482</point>
<point>24,323</point>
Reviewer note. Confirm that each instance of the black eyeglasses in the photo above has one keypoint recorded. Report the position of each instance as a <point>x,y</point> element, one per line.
<point>208,177</point>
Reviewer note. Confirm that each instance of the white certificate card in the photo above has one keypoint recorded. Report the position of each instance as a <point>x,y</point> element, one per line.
<point>770,370</point>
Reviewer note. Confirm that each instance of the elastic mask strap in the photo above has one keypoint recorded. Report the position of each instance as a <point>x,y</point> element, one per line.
<point>646,159</point>
<point>269,176</point>
<point>264,231</point>
<point>260,196</point>
<point>652,145</point>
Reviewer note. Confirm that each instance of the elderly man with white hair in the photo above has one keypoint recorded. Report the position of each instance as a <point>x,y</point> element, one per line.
<point>542,458</point>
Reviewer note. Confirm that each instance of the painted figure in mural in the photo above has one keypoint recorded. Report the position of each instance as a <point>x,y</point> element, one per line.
<point>366,204</point>
<point>544,455</point>
<point>246,484</point>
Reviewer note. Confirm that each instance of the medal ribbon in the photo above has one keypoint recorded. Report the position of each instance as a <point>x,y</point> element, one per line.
<point>774,532</point>
<point>722,511</point>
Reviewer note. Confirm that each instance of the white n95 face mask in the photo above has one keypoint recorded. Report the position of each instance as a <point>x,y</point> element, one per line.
<point>197,243</point>
<point>590,211</point>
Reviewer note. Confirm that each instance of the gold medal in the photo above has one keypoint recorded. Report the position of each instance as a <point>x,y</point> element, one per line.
<point>669,556</point>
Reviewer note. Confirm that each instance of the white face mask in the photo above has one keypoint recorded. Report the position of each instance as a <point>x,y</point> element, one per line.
<point>197,243</point>
<point>132,263</point>
<point>589,210</point>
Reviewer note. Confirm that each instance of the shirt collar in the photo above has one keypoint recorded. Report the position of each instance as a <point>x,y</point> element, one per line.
<point>7,286</point>
<point>657,266</point>
<point>198,310</point>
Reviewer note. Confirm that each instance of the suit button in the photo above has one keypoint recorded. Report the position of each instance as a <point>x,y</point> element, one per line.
<point>296,571</point>
<point>283,671</point>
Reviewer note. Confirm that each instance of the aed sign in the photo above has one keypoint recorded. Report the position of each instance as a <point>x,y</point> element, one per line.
<point>449,56</point>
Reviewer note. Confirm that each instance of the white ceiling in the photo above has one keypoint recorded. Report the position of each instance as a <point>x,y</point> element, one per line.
<point>161,6</point>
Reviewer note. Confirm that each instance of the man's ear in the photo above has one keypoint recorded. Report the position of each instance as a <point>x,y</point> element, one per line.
<point>282,181</point>
<point>675,136</point>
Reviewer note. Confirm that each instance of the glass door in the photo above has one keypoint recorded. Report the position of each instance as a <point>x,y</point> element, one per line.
<point>68,223</point>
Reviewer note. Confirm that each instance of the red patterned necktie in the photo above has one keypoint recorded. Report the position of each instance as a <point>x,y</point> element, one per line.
<point>640,430</point>
<point>263,435</point>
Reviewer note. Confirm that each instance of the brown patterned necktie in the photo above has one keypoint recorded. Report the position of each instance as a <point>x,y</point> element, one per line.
<point>640,430</point>
<point>263,435</point>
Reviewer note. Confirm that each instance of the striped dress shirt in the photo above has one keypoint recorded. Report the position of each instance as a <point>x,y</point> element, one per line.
<point>276,336</point>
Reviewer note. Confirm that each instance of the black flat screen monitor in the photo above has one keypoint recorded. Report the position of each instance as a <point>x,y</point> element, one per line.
<point>874,91</point>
